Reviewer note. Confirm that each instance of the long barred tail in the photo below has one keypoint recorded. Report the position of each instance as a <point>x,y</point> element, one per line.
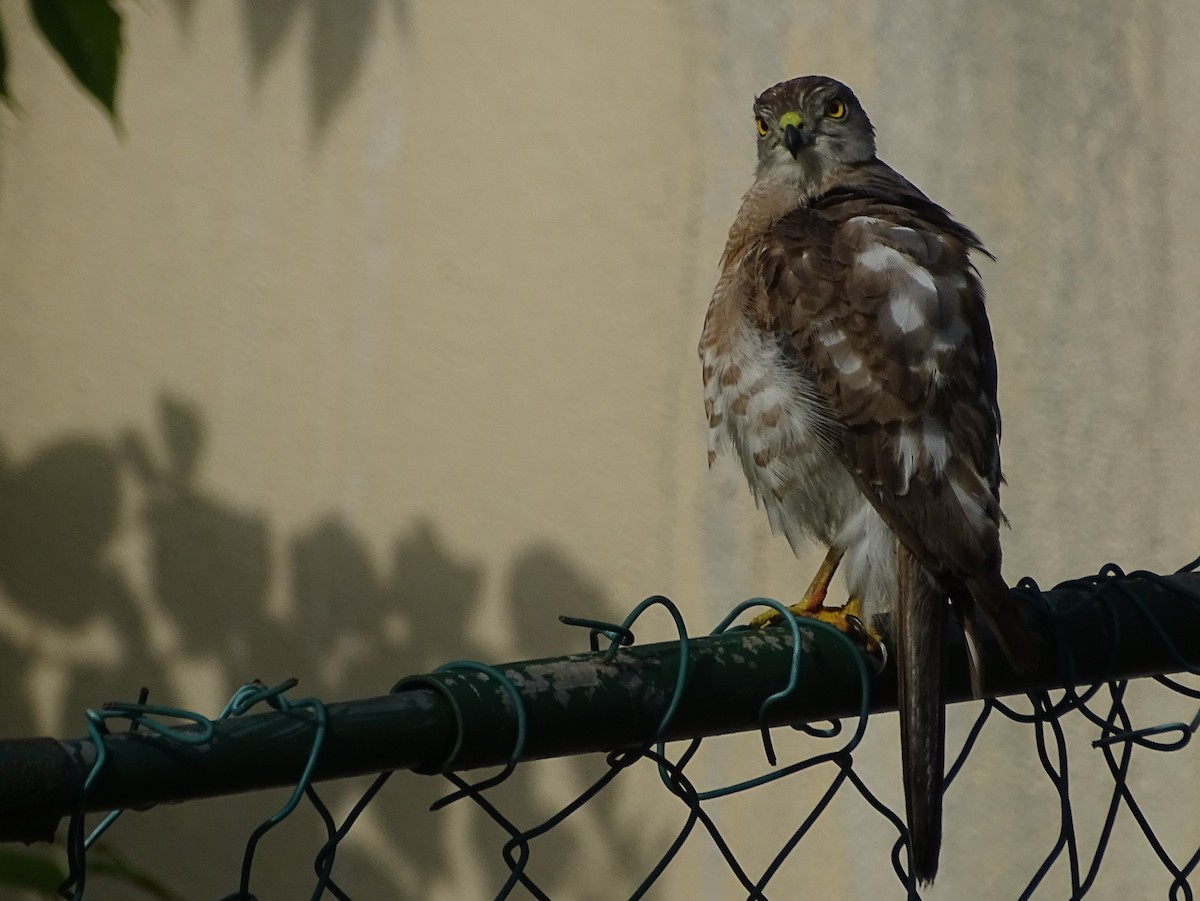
<point>921,620</point>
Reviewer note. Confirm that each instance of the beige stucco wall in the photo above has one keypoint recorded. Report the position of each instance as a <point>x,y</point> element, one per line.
<point>369,344</point>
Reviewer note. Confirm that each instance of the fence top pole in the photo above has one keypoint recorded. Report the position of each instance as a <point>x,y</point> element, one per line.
<point>579,703</point>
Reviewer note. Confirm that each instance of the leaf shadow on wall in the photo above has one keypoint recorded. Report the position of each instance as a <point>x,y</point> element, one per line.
<point>68,605</point>
<point>339,37</point>
<point>88,617</point>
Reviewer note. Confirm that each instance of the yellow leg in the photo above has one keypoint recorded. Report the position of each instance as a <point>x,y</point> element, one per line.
<point>847,618</point>
<point>814,598</point>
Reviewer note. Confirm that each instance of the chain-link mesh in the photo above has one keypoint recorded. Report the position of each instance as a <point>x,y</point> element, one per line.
<point>1103,706</point>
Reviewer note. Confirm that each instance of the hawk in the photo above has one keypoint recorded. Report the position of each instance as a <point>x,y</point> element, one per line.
<point>848,360</point>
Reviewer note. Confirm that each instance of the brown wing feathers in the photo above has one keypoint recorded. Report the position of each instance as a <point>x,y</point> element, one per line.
<point>878,302</point>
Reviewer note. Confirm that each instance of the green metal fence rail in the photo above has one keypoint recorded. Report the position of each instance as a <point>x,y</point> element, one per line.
<point>471,716</point>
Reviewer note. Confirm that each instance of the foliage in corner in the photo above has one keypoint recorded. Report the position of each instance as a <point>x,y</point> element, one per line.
<point>32,872</point>
<point>43,876</point>
<point>86,36</point>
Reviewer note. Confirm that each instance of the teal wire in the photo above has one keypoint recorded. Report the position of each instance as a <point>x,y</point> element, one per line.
<point>522,728</point>
<point>681,674</point>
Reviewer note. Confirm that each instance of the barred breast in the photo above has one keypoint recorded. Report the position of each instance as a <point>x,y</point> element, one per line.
<point>786,438</point>
<point>781,431</point>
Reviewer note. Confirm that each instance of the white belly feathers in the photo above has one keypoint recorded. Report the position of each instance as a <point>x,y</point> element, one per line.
<point>783,435</point>
<point>785,439</point>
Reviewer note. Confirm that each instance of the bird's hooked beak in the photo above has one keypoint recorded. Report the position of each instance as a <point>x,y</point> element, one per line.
<point>795,136</point>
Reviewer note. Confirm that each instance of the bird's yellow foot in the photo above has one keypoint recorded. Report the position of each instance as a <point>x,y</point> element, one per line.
<point>847,619</point>
<point>814,598</point>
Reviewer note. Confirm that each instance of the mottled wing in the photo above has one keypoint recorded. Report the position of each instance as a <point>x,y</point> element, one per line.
<point>882,308</point>
<point>878,302</point>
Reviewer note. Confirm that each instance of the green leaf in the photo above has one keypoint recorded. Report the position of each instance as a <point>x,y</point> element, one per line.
<point>107,862</point>
<point>86,34</point>
<point>22,869</point>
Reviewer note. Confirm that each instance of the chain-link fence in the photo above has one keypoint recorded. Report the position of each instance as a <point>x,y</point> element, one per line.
<point>643,706</point>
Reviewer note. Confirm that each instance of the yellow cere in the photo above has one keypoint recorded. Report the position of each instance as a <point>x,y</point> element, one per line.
<point>761,126</point>
<point>790,118</point>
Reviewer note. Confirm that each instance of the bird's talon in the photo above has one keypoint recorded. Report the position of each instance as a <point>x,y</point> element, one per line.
<point>881,657</point>
<point>856,628</point>
<point>846,619</point>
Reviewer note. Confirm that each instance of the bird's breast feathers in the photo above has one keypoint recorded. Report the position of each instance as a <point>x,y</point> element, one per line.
<point>781,430</point>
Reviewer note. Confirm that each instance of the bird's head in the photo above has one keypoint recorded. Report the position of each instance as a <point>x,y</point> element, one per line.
<point>809,130</point>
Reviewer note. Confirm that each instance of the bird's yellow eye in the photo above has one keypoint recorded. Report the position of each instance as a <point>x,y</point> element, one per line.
<point>835,109</point>
<point>761,126</point>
